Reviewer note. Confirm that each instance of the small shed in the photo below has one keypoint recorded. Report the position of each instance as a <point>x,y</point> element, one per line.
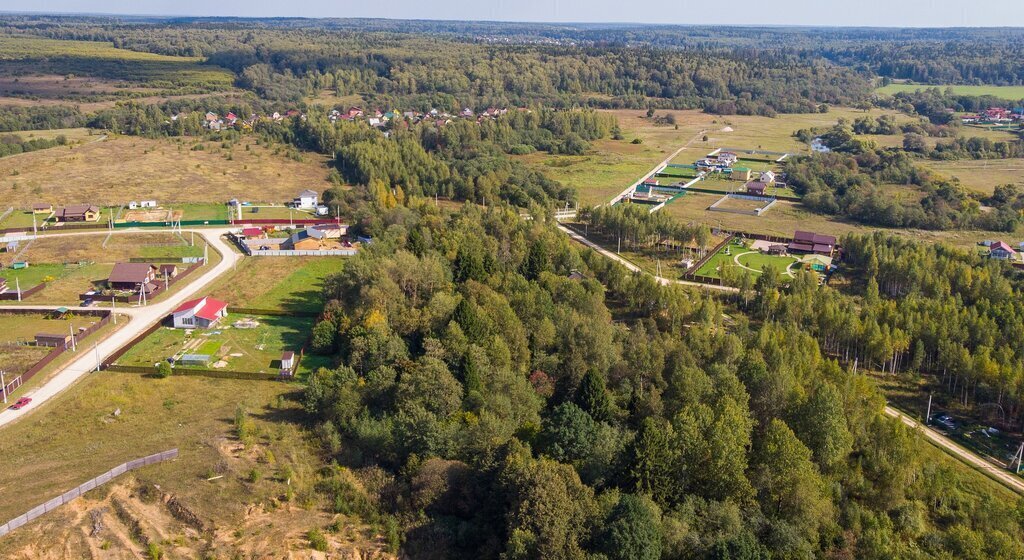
<point>288,363</point>
<point>53,340</point>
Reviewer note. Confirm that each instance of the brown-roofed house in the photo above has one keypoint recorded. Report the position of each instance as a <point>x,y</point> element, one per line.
<point>78,213</point>
<point>756,188</point>
<point>168,271</point>
<point>809,242</point>
<point>42,208</point>
<point>129,276</point>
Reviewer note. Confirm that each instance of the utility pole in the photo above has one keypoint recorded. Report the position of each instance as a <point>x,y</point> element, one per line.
<point>1019,456</point>
<point>96,348</point>
<point>113,307</point>
<point>928,415</point>
<point>74,347</point>
<point>17,282</point>
<point>3,386</point>
<point>34,230</point>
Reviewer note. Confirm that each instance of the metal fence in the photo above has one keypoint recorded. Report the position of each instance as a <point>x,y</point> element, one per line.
<point>321,253</point>
<point>70,495</point>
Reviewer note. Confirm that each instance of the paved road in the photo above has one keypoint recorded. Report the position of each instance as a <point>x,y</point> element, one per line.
<point>141,319</point>
<point>1001,475</point>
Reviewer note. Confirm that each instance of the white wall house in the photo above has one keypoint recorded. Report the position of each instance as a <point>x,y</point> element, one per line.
<point>199,313</point>
<point>307,199</point>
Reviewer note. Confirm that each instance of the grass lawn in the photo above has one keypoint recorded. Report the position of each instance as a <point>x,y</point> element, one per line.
<point>982,175</point>
<point>33,275</point>
<point>752,261</point>
<point>242,349</point>
<point>20,219</point>
<point>274,213</point>
<point>21,328</point>
<point>756,261</point>
<point>288,283</point>
<point>167,170</point>
<point>211,211</point>
<point>1003,92</point>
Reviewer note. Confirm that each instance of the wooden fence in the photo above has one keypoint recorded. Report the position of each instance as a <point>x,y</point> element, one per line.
<point>59,350</point>
<point>12,295</point>
<point>180,371</point>
<point>273,312</point>
<point>74,493</point>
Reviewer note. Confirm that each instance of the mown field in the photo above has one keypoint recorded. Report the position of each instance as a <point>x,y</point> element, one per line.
<point>286,283</point>
<point>26,56</point>
<point>121,169</point>
<point>1004,92</point>
<point>982,175</point>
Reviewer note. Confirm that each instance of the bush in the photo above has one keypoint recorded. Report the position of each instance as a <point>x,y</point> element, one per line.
<point>164,370</point>
<point>317,541</point>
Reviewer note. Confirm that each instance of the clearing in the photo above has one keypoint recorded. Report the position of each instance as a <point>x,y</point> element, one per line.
<point>982,175</point>
<point>251,497</point>
<point>285,283</point>
<point>170,171</point>
<point>1002,92</point>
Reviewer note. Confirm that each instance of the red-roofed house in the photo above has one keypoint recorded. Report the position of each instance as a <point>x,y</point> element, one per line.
<point>199,313</point>
<point>1002,251</point>
<point>252,232</point>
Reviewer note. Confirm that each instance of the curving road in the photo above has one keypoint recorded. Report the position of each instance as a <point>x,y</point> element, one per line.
<point>141,319</point>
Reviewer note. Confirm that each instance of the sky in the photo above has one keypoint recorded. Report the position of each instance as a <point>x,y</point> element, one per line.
<point>880,13</point>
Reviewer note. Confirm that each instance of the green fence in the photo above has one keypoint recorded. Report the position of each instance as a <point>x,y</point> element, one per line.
<point>169,224</point>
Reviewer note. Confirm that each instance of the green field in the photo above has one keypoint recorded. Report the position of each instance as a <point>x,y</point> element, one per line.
<point>1003,92</point>
<point>242,349</point>
<point>286,283</point>
<point>23,55</point>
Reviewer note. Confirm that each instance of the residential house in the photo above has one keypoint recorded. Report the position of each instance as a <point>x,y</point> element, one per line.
<point>131,276</point>
<point>201,313</point>
<point>740,174</point>
<point>809,242</point>
<point>309,239</point>
<point>768,177</point>
<point>354,112</point>
<point>727,158</point>
<point>54,340</point>
<point>147,204</point>
<point>252,232</point>
<point>306,199</point>
<point>42,208</point>
<point>1000,250</point>
<point>777,249</point>
<point>332,231</point>
<point>817,263</point>
<point>756,188</point>
<point>466,113</point>
<point>168,271</point>
<point>78,213</point>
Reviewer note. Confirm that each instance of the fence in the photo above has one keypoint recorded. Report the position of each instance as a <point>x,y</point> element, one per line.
<point>70,495</point>
<point>168,223</point>
<point>274,312</point>
<point>116,355</point>
<point>160,287</point>
<point>322,253</point>
<point>197,372</point>
<point>707,256</point>
<point>183,260</point>
<point>13,294</point>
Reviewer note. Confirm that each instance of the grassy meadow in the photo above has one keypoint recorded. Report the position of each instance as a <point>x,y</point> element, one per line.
<point>285,283</point>
<point>1003,92</point>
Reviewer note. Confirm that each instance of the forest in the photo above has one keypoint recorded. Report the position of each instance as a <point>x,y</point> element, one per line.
<point>520,412</point>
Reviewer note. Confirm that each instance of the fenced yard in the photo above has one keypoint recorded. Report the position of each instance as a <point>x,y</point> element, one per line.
<point>240,343</point>
<point>739,254</point>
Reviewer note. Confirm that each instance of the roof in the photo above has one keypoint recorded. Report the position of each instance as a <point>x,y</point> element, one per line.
<point>41,206</point>
<point>1001,245</point>
<point>308,192</point>
<point>796,246</point>
<point>287,355</point>
<point>252,231</point>
<point>812,238</point>
<point>64,336</point>
<point>134,273</point>
<point>208,307</point>
<point>756,186</point>
<point>77,209</point>
<point>164,267</point>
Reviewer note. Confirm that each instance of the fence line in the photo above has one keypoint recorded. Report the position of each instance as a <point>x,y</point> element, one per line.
<point>274,312</point>
<point>6,213</point>
<point>74,493</point>
<point>322,253</point>
<point>13,294</point>
<point>197,372</point>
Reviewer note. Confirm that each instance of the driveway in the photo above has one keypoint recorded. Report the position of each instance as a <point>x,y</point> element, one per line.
<point>141,319</point>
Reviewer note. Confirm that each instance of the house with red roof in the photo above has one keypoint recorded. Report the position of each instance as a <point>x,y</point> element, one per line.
<point>200,313</point>
<point>1001,250</point>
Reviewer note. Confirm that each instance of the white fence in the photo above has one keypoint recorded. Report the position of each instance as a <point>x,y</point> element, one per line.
<point>83,488</point>
<point>323,253</point>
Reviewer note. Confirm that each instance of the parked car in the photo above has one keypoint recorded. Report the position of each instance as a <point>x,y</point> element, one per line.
<point>945,421</point>
<point>21,403</point>
<point>88,303</point>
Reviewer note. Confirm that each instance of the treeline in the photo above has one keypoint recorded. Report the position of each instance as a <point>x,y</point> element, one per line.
<point>939,105</point>
<point>446,71</point>
<point>857,180</point>
<point>637,227</point>
<point>11,144</point>
<point>14,118</point>
<point>507,410</point>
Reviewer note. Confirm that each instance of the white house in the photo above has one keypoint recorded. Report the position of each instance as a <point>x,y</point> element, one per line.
<point>307,199</point>
<point>287,364</point>
<point>199,313</point>
<point>148,204</point>
<point>768,177</point>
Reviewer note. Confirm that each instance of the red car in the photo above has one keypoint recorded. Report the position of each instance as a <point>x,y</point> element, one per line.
<point>21,403</point>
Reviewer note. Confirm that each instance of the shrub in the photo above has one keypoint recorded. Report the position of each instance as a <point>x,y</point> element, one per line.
<point>317,541</point>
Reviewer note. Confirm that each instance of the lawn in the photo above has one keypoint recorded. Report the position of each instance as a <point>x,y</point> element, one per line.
<point>22,328</point>
<point>982,175</point>
<point>17,359</point>
<point>200,211</point>
<point>751,260</point>
<point>18,218</point>
<point>240,349</point>
<point>33,275</point>
<point>121,169</point>
<point>1002,92</point>
<point>287,283</point>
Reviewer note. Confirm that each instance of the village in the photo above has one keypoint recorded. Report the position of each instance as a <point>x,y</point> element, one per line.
<point>374,117</point>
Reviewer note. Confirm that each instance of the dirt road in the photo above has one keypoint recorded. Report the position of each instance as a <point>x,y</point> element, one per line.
<point>141,319</point>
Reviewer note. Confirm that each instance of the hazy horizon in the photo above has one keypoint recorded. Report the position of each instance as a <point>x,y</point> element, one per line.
<point>867,13</point>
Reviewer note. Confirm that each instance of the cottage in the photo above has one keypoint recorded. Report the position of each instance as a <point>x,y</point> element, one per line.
<point>768,177</point>
<point>287,363</point>
<point>1000,250</point>
<point>131,276</point>
<point>777,249</point>
<point>168,271</point>
<point>817,263</point>
<point>252,233</point>
<point>147,204</point>
<point>727,158</point>
<point>306,199</point>
<point>199,313</point>
<point>53,340</point>
<point>740,174</point>
<point>78,213</point>
<point>309,239</point>
<point>332,231</point>
<point>808,242</point>
<point>756,188</point>
<point>42,208</point>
